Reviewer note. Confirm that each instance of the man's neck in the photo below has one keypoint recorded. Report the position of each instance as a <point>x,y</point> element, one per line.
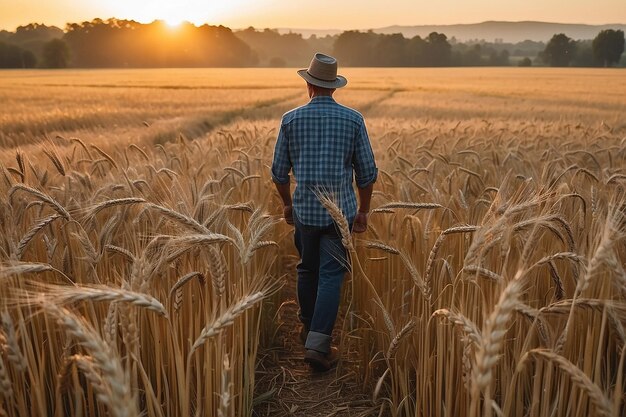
<point>321,95</point>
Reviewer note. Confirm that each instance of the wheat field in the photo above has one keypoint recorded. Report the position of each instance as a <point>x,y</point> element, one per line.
<point>143,259</point>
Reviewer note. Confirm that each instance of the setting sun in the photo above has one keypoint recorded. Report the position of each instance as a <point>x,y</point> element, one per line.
<point>173,23</point>
<point>172,13</point>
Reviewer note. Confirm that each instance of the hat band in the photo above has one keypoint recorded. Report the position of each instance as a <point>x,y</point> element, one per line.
<point>321,79</point>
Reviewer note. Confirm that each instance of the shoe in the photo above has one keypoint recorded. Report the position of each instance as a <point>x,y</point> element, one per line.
<point>304,333</point>
<point>322,362</point>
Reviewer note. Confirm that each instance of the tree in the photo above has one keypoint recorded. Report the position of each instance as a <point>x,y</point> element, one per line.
<point>500,59</point>
<point>391,50</point>
<point>525,62</point>
<point>438,51</point>
<point>291,48</point>
<point>56,54</point>
<point>29,59</point>
<point>584,55</point>
<point>354,48</point>
<point>559,51</point>
<point>12,56</point>
<point>126,43</point>
<point>608,47</point>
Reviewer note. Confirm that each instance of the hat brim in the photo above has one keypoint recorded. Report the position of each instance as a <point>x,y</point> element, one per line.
<point>339,82</point>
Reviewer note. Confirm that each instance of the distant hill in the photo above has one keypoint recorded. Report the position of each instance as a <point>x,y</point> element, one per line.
<point>489,31</point>
<point>306,33</point>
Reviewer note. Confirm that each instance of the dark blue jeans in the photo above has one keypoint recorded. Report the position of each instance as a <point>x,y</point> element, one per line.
<point>323,264</point>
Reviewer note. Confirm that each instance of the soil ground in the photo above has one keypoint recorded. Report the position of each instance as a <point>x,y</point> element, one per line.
<point>287,386</point>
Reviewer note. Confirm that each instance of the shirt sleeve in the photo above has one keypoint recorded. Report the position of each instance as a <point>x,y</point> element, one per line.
<point>281,165</point>
<point>365,171</point>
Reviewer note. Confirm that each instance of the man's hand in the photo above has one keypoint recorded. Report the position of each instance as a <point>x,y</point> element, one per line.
<point>360,223</point>
<point>288,214</point>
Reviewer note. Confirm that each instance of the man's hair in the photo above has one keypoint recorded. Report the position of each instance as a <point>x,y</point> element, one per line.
<point>321,89</point>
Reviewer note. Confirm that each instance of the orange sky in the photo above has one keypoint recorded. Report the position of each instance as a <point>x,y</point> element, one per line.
<point>320,14</point>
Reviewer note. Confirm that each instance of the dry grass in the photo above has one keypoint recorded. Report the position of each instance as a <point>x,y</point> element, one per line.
<point>139,266</point>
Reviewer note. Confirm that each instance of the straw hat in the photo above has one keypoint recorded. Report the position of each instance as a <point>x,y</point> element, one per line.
<point>322,72</point>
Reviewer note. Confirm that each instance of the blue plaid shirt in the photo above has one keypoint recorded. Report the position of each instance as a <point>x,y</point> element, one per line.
<point>324,143</point>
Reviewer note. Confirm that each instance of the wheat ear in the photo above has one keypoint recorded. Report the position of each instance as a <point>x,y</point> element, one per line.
<point>5,381</point>
<point>177,288</point>
<point>484,272</point>
<point>225,408</point>
<point>383,247</point>
<point>180,218</point>
<point>218,269</point>
<point>43,197</point>
<point>493,338</point>
<point>14,355</point>
<point>56,161</point>
<point>337,215</point>
<point>437,245</point>
<point>87,367</point>
<point>226,319</point>
<point>415,275</point>
<point>407,205</point>
<point>93,211</point>
<point>21,247</point>
<point>395,342</point>
<point>471,332</point>
<point>26,268</point>
<point>122,403</point>
<point>65,294</point>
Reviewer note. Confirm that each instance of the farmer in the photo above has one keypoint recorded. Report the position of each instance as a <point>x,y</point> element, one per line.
<point>326,145</point>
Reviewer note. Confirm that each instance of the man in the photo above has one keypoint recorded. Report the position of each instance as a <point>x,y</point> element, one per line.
<point>325,144</point>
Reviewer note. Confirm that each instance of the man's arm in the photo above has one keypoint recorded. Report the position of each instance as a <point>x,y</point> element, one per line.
<point>365,174</point>
<point>284,190</point>
<point>281,165</point>
<point>365,196</point>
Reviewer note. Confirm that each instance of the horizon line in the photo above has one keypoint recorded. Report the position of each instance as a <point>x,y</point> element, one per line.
<point>318,28</point>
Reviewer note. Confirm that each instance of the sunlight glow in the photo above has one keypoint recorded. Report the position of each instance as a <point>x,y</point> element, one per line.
<point>175,12</point>
<point>173,22</point>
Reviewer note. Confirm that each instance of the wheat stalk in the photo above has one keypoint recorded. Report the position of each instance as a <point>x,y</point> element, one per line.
<point>578,377</point>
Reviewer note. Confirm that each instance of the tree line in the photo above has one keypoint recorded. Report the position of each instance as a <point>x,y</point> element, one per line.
<point>125,43</point>
<point>604,50</point>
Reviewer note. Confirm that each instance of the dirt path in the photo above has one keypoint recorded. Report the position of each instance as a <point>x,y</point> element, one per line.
<point>286,386</point>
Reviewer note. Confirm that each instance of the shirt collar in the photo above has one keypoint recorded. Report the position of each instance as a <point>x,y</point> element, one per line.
<point>322,99</point>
